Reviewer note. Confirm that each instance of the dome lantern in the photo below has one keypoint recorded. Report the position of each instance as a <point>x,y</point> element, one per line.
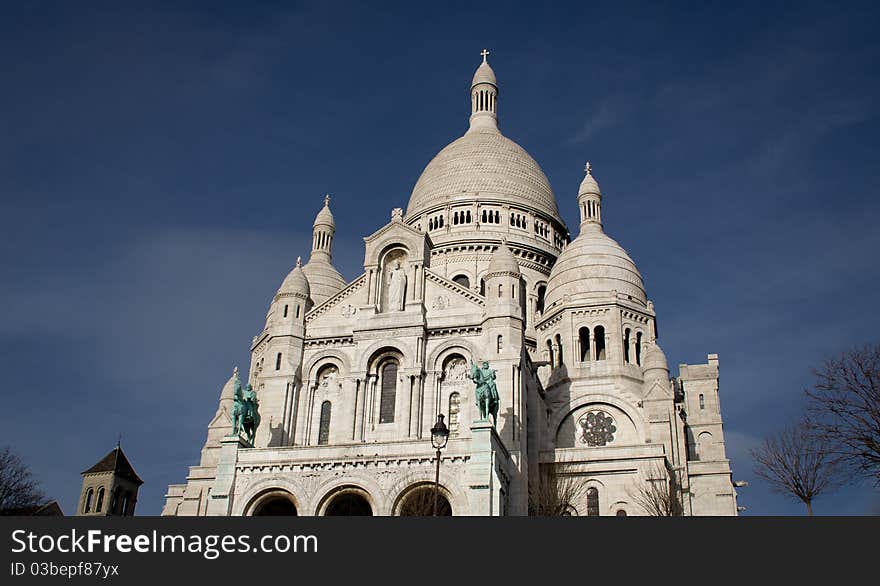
<point>324,279</point>
<point>484,96</point>
<point>590,199</point>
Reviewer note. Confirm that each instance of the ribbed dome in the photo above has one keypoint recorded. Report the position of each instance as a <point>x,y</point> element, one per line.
<point>503,261</point>
<point>483,164</point>
<point>324,280</point>
<point>593,263</point>
<point>295,281</point>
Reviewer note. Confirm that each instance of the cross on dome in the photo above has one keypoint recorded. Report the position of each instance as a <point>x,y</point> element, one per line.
<point>327,200</point>
<point>299,263</point>
<point>589,168</point>
<point>484,53</point>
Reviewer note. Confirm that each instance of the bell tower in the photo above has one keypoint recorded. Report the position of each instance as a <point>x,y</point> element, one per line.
<point>110,487</point>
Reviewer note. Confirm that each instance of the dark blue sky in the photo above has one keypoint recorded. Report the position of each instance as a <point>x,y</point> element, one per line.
<point>160,168</point>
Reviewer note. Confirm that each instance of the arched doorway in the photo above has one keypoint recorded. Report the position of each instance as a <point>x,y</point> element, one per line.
<point>349,503</point>
<point>419,502</point>
<point>276,504</point>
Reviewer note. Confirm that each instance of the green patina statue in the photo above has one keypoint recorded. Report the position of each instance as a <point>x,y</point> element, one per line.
<point>245,410</point>
<point>487,392</point>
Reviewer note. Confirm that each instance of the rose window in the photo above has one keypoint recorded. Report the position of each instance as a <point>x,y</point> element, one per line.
<point>597,428</point>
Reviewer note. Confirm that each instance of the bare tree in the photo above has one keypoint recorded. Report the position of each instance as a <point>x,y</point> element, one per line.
<point>660,494</point>
<point>556,491</point>
<point>420,503</point>
<point>18,487</point>
<point>798,463</point>
<point>844,408</point>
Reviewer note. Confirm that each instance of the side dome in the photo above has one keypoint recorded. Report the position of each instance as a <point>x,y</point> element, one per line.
<point>655,359</point>
<point>483,165</point>
<point>593,263</point>
<point>324,280</point>
<point>503,261</point>
<point>295,282</point>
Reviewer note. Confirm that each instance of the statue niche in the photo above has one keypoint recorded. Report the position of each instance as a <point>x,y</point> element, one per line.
<point>395,281</point>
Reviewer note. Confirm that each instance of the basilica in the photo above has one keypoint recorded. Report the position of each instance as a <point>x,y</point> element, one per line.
<point>352,375</point>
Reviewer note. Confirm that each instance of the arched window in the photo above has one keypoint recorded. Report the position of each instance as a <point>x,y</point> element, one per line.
<point>87,506</point>
<point>500,290</point>
<point>484,216</point>
<point>483,287</point>
<point>592,502</point>
<point>100,503</point>
<point>497,217</point>
<point>584,339</point>
<point>500,344</point>
<point>297,311</point>
<point>454,411</point>
<point>324,425</point>
<point>559,350</point>
<point>114,501</point>
<point>542,291</point>
<point>620,513</point>
<point>462,280</point>
<point>702,401</point>
<point>468,217</point>
<point>389,392</point>
<point>285,311</point>
<point>639,348</point>
<point>550,354</point>
<point>600,342</point>
<point>123,508</point>
<point>278,362</point>
<point>626,345</point>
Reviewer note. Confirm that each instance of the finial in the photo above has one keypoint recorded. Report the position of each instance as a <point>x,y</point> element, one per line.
<point>119,442</point>
<point>589,168</point>
<point>327,201</point>
<point>484,53</point>
<point>235,371</point>
<point>299,262</point>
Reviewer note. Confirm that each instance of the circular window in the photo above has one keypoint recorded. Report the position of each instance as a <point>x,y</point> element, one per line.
<point>597,428</point>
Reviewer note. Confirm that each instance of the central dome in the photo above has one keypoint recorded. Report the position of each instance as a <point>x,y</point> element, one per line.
<point>485,165</point>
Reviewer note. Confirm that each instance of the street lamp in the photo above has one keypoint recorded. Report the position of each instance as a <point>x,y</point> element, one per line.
<point>439,437</point>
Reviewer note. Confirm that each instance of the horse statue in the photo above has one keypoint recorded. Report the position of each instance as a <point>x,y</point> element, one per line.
<point>245,410</point>
<point>486,392</point>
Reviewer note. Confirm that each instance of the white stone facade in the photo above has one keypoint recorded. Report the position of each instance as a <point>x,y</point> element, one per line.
<point>352,375</point>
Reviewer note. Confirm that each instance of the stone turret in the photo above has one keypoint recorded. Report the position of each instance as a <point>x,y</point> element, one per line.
<point>324,280</point>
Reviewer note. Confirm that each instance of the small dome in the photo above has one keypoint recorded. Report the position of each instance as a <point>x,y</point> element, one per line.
<point>325,216</point>
<point>589,184</point>
<point>593,263</point>
<point>655,359</point>
<point>484,74</point>
<point>295,281</point>
<point>503,261</point>
<point>324,280</point>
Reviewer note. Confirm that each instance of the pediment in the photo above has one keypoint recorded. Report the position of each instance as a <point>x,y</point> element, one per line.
<point>658,390</point>
<point>444,294</point>
<point>342,306</point>
<point>396,233</point>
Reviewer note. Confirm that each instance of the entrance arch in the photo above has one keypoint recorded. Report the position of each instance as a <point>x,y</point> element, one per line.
<point>278,503</point>
<point>348,502</point>
<point>418,501</point>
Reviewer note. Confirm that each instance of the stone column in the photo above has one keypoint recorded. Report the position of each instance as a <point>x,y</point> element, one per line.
<point>482,483</point>
<point>221,499</point>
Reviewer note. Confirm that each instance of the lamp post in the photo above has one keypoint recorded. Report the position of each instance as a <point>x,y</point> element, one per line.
<point>439,437</point>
